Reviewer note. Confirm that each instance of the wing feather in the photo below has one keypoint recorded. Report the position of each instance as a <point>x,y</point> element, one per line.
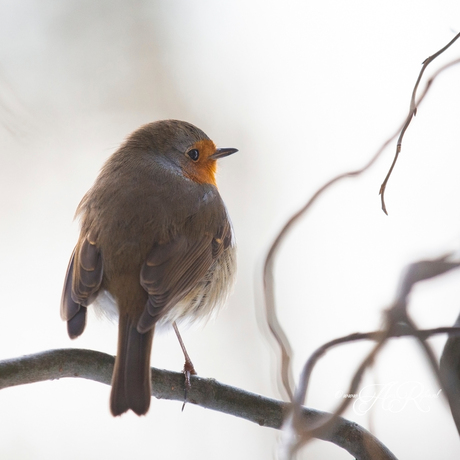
<point>83,280</point>
<point>171,271</point>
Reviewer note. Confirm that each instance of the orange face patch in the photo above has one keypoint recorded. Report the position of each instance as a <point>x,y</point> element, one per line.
<point>204,169</point>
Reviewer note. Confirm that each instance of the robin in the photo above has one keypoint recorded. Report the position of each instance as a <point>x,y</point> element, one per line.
<point>156,242</point>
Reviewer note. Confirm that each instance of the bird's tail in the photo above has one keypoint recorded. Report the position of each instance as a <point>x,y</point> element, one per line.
<point>131,386</point>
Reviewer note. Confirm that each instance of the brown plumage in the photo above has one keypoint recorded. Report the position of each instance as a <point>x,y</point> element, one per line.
<point>156,236</point>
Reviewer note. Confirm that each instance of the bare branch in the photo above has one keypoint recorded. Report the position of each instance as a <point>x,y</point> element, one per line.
<point>398,331</point>
<point>207,393</point>
<point>316,430</point>
<point>397,324</point>
<point>295,422</point>
<point>414,273</point>
<point>411,114</point>
<point>268,283</point>
<point>440,376</point>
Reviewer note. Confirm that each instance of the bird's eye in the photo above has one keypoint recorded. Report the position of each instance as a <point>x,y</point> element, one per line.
<point>194,154</point>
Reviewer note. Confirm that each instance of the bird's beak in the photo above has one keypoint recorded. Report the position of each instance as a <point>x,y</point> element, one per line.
<point>221,153</point>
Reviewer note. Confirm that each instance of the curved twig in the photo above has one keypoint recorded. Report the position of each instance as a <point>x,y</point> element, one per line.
<point>269,293</point>
<point>318,429</point>
<point>410,115</point>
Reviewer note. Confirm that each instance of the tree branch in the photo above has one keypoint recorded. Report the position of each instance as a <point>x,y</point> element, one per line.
<point>207,393</point>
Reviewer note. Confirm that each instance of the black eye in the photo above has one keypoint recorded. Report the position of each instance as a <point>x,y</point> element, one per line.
<point>193,154</point>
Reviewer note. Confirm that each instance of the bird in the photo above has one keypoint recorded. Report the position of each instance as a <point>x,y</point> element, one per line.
<point>156,246</point>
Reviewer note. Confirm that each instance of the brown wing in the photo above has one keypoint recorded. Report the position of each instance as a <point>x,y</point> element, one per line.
<point>81,286</point>
<point>172,270</point>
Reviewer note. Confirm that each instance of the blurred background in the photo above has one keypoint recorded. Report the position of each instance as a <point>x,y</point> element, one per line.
<point>304,90</point>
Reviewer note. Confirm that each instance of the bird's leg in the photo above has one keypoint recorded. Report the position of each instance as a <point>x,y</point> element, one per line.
<point>188,366</point>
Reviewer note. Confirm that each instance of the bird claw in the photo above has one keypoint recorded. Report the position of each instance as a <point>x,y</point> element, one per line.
<point>188,371</point>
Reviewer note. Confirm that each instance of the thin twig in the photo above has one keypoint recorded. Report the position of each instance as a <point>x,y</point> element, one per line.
<point>394,330</point>
<point>323,426</point>
<point>397,332</point>
<point>397,324</point>
<point>411,114</point>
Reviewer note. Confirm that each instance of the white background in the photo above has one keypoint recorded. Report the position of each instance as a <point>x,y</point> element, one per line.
<point>304,90</point>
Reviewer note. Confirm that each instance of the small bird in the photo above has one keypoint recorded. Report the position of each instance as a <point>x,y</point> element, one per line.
<point>156,242</point>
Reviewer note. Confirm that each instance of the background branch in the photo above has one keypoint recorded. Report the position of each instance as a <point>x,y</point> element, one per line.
<point>397,323</point>
<point>268,281</point>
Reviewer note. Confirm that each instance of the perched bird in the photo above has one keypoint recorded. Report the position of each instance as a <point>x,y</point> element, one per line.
<point>156,241</point>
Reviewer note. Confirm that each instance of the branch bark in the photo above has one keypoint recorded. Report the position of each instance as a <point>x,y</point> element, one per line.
<point>207,393</point>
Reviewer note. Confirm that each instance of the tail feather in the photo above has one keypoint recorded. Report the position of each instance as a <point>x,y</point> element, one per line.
<point>131,386</point>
